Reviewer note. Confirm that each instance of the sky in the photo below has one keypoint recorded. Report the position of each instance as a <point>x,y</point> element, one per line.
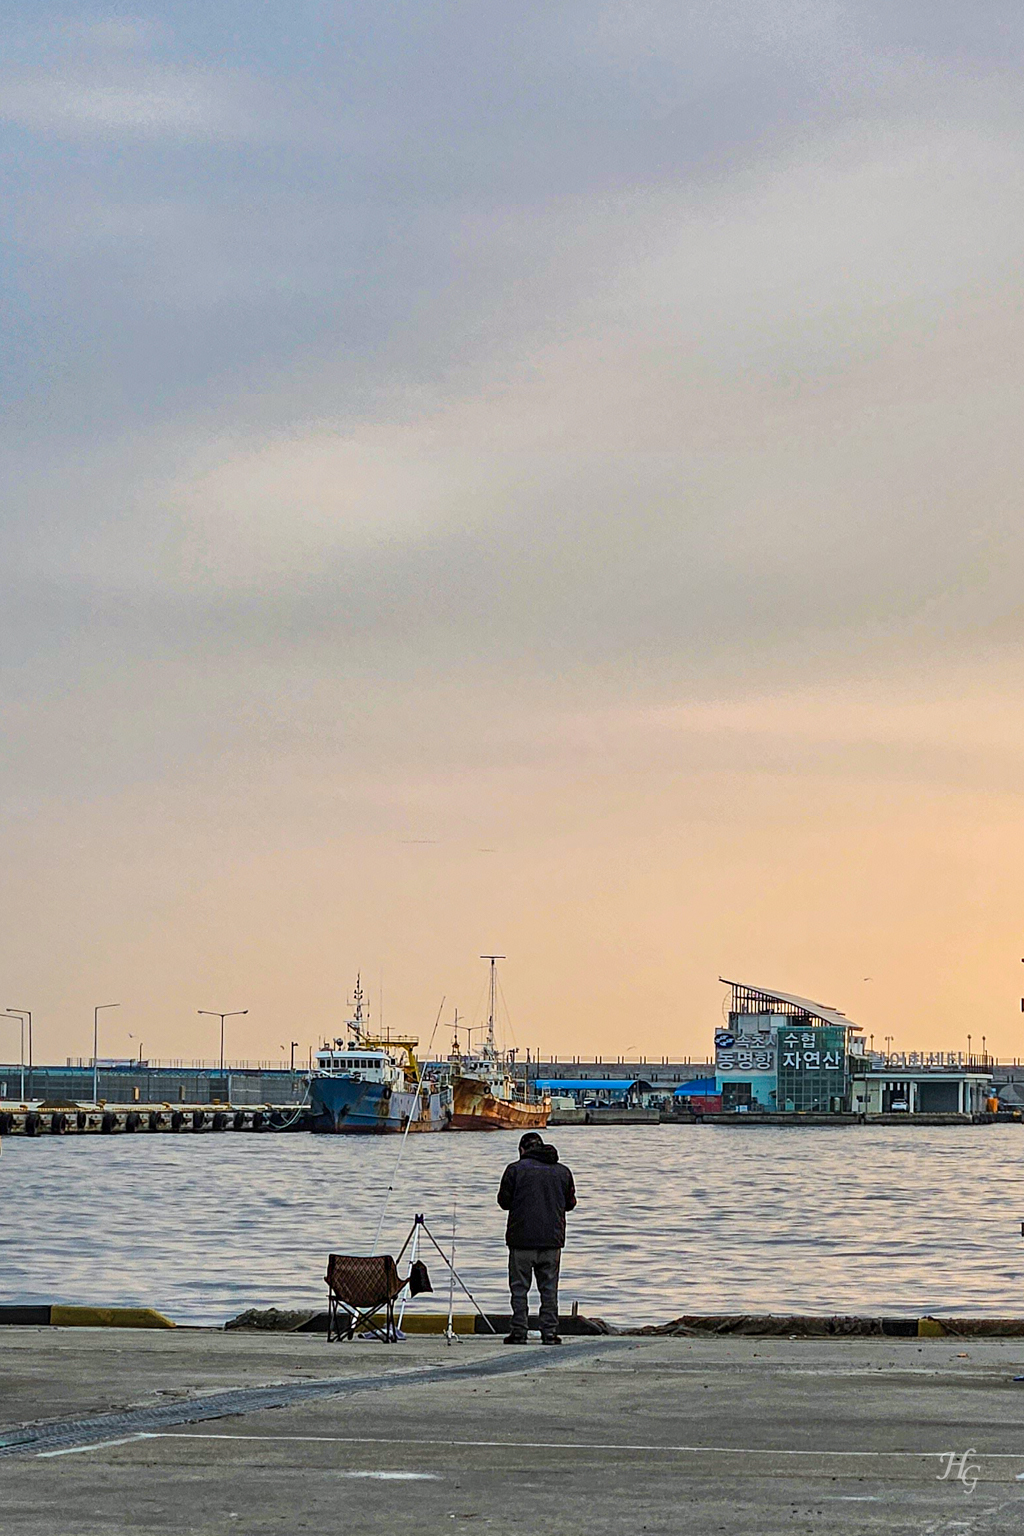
<point>536,479</point>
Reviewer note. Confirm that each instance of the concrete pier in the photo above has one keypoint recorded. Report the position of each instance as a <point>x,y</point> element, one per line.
<point>117,1119</point>
<point>121,1119</point>
<point>219,1432</point>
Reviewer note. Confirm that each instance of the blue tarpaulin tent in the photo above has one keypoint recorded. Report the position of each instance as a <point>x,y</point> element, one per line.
<point>594,1085</point>
<point>704,1086</point>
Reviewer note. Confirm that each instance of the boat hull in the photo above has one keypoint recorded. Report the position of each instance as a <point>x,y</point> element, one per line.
<point>475,1108</point>
<point>342,1107</point>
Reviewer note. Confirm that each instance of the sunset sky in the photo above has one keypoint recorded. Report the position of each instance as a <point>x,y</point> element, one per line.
<point>540,478</point>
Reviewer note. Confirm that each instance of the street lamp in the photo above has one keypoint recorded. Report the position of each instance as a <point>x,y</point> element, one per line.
<point>26,1013</point>
<point>21,1021</point>
<point>213,1014</point>
<point>96,1048</point>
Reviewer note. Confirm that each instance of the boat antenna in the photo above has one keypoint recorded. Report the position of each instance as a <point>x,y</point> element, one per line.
<point>490,1010</point>
<point>357,996</point>
<point>401,1150</point>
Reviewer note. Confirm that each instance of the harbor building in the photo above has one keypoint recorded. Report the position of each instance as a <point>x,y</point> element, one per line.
<point>781,1053</point>
<point>935,1090</point>
<point>784,1053</point>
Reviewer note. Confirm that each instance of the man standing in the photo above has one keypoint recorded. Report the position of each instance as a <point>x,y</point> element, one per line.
<point>536,1191</point>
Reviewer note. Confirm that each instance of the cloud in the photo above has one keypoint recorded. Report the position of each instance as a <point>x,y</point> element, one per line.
<point>109,77</point>
<point>111,34</point>
<point>147,101</point>
<point>758,422</point>
<point>590,432</point>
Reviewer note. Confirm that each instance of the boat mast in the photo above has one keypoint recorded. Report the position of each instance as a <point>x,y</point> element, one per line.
<point>357,1021</point>
<point>491,1047</point>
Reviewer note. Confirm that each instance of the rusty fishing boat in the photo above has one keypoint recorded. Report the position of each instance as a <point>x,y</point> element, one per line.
<point>485,1093</point>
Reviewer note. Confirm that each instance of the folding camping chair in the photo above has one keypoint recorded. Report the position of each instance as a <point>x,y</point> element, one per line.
<point>360,1287</point>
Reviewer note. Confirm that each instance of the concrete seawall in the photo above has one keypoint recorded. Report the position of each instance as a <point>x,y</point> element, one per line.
<point>176,1119</point>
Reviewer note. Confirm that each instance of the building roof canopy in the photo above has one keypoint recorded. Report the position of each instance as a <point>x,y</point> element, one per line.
<point>921,1075</point>
<point>799,1004</point>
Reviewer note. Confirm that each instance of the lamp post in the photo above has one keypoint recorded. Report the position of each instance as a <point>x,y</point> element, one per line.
<point>26,1013</point>
<point>968,1050</point>
<point>21,1021</point>
<point>212,1013</point>
<point>96,1047</point>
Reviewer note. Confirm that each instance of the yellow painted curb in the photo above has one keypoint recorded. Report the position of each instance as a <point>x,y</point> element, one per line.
<point>430,1322</point>
<point>931,1328</point>
<point>433,1322</point>
<point>108,1317</point>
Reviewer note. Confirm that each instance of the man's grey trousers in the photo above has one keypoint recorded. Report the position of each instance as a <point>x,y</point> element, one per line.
<point>523,1264</point>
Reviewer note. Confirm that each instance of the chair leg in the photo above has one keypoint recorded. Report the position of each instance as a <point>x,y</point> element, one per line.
<point>361,1321</point>
<point>337,1330</point>
<point>356,1321</point>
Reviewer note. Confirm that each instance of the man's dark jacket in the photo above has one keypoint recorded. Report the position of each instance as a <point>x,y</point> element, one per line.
<point>537,1191</point>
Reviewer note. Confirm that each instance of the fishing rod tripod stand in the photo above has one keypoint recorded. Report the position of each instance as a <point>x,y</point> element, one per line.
<point>419,1224</point>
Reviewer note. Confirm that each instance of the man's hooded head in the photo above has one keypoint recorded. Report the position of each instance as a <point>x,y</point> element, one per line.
<point>536,1148</point>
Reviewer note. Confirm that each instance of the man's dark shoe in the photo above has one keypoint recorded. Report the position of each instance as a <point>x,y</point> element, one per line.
<point>554,1338</point>
<point>515,1338</point>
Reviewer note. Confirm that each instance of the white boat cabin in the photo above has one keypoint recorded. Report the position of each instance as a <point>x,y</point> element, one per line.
<point>363,1066</point>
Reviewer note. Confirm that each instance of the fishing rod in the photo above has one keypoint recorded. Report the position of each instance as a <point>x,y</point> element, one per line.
<point>449,1332</point>
<point>401,1149</point>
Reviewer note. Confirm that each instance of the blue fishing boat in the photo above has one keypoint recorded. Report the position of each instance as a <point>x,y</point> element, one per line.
<point>365,1084</point>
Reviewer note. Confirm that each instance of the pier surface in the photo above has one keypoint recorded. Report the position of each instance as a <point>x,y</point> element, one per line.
<point>603,1435</point>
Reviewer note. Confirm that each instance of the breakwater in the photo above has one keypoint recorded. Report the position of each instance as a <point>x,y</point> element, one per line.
<point>129,1119</point>
<point>177,1119</point>
<point>34,1120</point>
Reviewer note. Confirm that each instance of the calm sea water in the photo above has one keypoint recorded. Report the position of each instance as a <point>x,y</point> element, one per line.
<point>670,1219</point>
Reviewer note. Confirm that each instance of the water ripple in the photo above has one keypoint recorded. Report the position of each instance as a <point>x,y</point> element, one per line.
<point>671,1219</point>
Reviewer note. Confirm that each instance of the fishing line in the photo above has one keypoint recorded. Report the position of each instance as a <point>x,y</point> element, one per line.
<point>401,1150</point>
<point>508,1013</point>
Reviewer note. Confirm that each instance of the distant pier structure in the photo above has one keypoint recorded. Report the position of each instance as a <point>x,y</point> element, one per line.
<point>139,1082</point>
